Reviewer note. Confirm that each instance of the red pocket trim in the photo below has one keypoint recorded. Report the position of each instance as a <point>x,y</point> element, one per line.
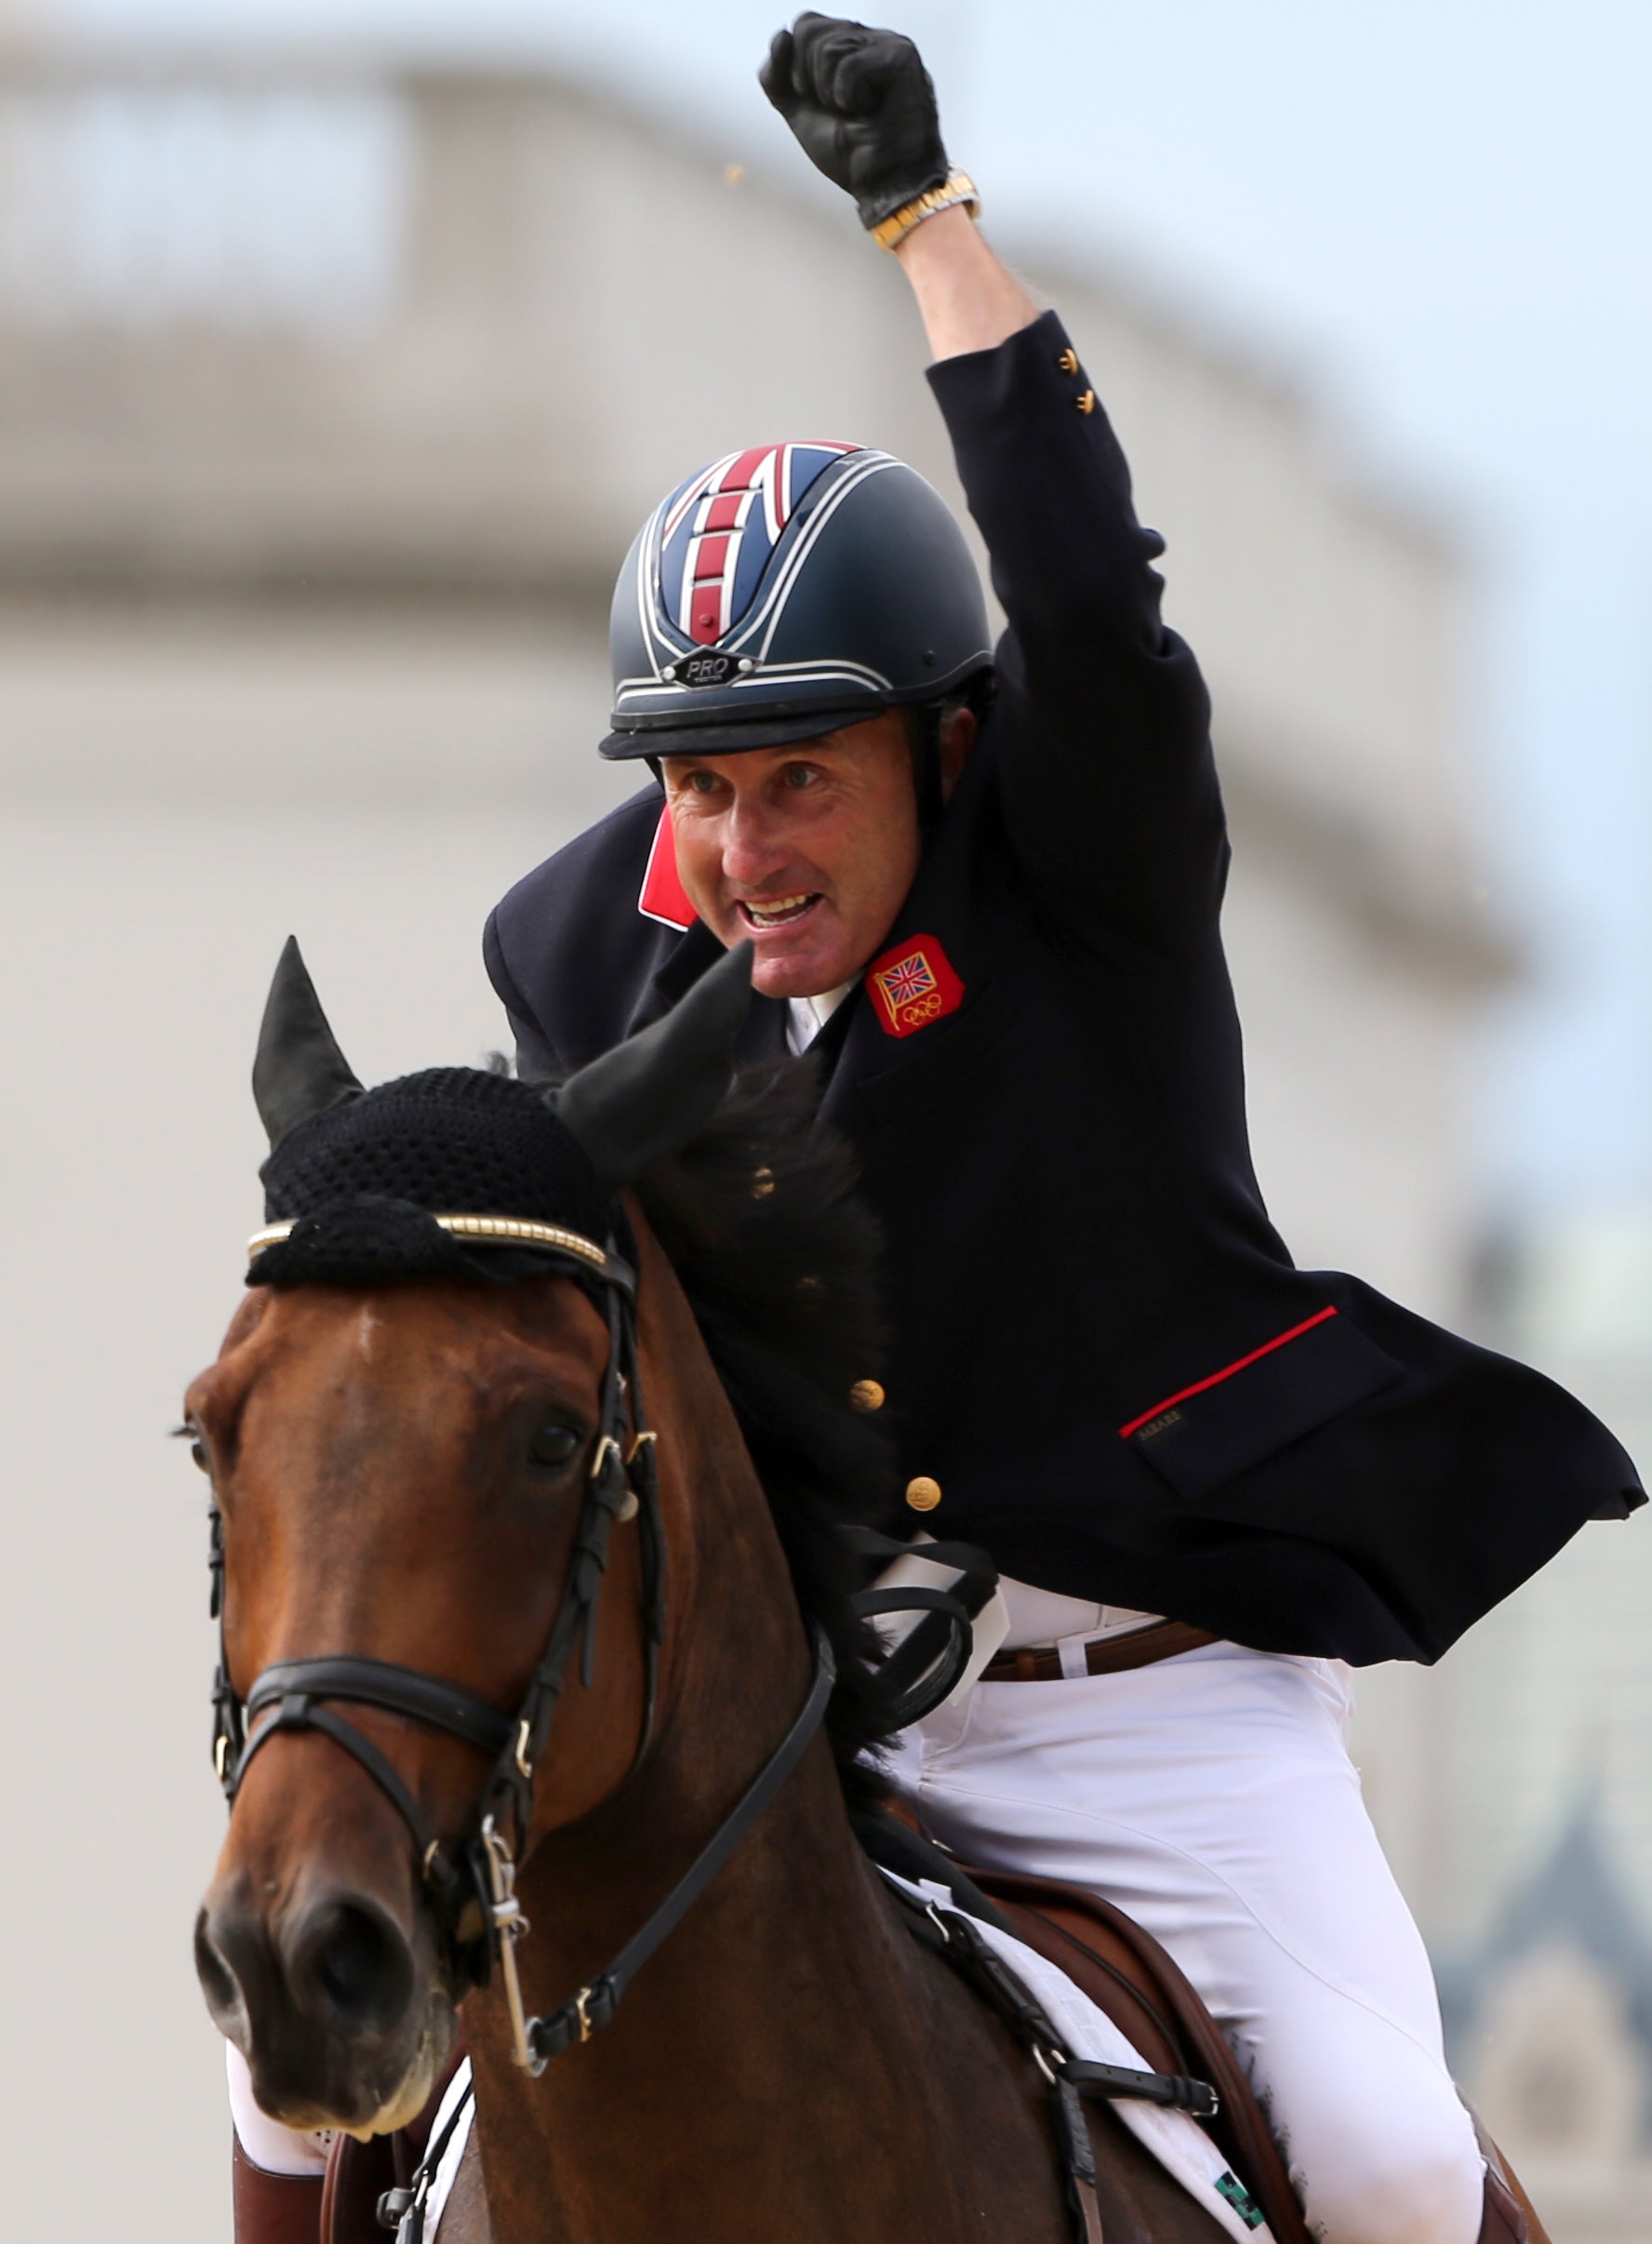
<point>1227,1371</point>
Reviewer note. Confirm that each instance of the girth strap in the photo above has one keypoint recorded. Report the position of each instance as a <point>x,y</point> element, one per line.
<point>1078,2156</point>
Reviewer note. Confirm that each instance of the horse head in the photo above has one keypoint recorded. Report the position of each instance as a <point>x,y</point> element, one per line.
<point>428,1450</point>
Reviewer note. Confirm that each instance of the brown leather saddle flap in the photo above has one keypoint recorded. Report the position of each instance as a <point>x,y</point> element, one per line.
<point>274,2209</point>
<point>1126,1973</point>
<point>357,2175</point>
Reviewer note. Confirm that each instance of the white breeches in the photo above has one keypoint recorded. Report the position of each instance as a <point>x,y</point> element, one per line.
<point>1211,1797</point>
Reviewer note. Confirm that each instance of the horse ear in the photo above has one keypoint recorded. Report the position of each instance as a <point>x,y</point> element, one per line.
<point>652,1094</point>
<point>300,1069</point>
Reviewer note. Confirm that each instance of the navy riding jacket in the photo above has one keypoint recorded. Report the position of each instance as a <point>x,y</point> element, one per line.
<point>1104,1356</point>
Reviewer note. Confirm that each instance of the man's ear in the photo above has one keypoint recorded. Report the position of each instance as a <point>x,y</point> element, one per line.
<point>958,733</point>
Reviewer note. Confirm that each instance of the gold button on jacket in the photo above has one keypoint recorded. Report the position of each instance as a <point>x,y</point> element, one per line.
<point>923,1493</point>
<point>866,1395</point>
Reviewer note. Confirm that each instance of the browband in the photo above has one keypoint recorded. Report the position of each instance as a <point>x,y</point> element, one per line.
<point>499,1231</point>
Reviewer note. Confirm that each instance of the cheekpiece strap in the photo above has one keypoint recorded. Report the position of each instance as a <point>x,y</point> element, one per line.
<point>611,1494</point>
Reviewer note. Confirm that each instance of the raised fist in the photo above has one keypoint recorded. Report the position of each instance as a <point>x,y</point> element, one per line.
<point>862,108</point>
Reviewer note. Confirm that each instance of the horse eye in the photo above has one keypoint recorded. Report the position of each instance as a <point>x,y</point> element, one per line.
<point>554,1446</point>
<point>198,1456</point>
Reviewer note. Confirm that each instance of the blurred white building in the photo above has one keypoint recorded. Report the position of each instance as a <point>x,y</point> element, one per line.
<point>1550,2026</point>
<point>1556,1701</point>
<point>329,398</point>
<point>1544,1915</point>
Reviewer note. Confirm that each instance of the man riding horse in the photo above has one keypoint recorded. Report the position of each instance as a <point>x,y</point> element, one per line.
<point>983,888</point>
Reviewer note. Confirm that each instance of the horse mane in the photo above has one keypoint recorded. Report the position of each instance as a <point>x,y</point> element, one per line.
<point>761,1222</point>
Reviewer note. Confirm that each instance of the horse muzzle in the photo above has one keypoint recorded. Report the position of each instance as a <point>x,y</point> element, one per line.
<point>339,2009</point>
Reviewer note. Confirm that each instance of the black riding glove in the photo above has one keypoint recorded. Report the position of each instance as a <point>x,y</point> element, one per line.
<point>862,108</point>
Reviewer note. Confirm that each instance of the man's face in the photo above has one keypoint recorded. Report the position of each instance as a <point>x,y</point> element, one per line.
<point>807,851</point>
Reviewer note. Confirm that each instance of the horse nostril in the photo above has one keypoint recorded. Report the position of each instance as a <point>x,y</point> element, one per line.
<point>347,1966</point>
<point>358,1964</point>
<point>219,1983</point>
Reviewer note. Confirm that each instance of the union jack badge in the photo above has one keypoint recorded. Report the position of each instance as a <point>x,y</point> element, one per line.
<point>911,985</point>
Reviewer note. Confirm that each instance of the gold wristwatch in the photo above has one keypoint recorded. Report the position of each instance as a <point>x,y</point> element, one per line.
<point>957,187</point>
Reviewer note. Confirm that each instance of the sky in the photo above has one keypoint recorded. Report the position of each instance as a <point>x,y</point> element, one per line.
<point>1436,211</point>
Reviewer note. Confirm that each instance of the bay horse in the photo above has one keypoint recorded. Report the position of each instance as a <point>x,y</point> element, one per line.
<point>428,1446</point>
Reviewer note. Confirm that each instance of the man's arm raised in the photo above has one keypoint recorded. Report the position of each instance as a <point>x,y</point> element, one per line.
<point>969,301</point>
<point>1102,723</point>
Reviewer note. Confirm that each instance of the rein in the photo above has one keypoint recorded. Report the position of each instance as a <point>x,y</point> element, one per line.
<point>471,1879</point>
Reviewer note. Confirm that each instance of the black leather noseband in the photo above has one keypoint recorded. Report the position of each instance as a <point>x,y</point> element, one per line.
<point>404,1691</point>
<point>291,1694</point>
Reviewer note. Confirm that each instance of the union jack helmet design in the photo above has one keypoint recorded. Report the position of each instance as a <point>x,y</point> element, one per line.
<point>785,591</point>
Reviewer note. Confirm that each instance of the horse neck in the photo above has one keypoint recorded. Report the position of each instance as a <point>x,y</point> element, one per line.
<point>786,1977</point>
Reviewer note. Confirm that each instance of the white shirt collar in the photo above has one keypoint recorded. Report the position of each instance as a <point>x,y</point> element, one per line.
<point>808,1016</point>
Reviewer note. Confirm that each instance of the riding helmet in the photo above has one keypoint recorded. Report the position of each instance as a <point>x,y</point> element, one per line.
<point>784,592</point>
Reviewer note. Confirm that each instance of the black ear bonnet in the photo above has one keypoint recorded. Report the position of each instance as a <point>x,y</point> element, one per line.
<point>365,1178</point>
<point>453,1171</point>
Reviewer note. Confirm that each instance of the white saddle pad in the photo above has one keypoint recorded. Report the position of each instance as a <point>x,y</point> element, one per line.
<point>447,2173</point>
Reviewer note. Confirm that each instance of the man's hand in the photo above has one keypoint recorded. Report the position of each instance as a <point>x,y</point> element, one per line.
<point>862,108</point>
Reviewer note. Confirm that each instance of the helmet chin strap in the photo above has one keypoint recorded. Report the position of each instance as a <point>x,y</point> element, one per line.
<point>926,723</point>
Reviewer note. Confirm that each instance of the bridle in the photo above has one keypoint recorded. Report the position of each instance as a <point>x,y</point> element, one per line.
<point>471,1880</point>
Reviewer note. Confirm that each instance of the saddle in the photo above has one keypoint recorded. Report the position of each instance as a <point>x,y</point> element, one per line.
<point>1131,1979</point>
<point>1128,1976</point>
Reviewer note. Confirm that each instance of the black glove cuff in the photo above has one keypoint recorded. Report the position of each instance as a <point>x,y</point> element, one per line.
<point>874,209</point>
